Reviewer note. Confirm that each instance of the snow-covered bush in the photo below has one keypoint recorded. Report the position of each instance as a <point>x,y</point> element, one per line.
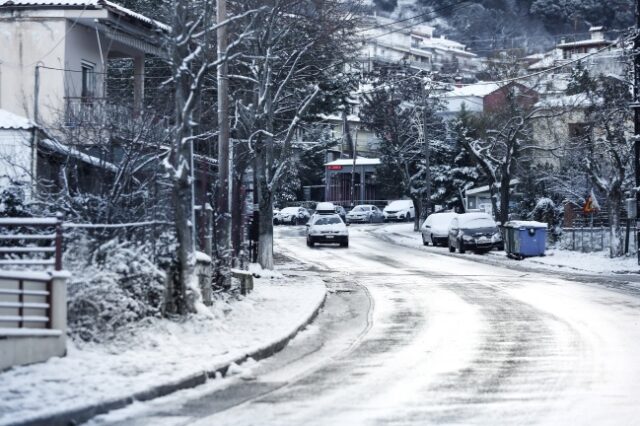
<point>110,287</point>
<point>546,211</point>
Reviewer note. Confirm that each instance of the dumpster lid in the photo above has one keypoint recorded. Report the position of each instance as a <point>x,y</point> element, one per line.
<point>525,224</point>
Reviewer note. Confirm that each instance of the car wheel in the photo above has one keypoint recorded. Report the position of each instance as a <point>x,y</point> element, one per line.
<point>452,249</point>
<point>462,249</point>
<point>424,242</point>
<point>344,244</point>
<point>310,243</point>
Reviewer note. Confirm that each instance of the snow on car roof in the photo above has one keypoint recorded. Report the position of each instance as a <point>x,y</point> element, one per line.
<point>468,217</point>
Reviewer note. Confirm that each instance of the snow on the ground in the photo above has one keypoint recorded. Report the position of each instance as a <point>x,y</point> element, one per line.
<point>159,351</point>
<point>554,259</point>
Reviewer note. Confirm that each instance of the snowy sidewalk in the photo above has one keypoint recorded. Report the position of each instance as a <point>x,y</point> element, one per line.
<point>161,353</point>
<point>554,260</point>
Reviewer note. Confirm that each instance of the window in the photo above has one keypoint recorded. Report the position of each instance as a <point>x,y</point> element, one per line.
<point>578,130</point>
<point>88,80</point>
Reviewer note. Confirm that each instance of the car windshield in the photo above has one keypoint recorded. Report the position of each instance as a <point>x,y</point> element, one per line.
<point>360,209</point>
<point>330,220</point>
<point>478,223</point>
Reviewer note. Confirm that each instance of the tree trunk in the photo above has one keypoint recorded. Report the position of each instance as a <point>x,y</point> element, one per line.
<point>505,196</point>
<point>265,206</point>
<point>615,233</point>
<point>187,292</point>
<point>417,206</point>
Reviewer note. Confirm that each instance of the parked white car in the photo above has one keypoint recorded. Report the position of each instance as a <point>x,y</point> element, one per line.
<point>435,229</point>
<point>365,213</point>
<point>327,228</point>
<point>292,216</point>
<point>399,210</point>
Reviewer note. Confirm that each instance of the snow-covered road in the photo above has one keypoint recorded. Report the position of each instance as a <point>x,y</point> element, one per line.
<point>450,341</point>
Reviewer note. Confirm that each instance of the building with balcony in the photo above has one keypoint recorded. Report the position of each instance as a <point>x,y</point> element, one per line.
<point>387,42</point>
<point>55,55</point>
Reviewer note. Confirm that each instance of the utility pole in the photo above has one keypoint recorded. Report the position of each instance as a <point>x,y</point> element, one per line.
<point>426,151</point>
<point>223,225</point>
<point>354,154</point>
<point>636,116</point>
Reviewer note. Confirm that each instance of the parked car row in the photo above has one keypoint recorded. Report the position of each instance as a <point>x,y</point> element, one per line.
<point>467,231</point>
<point>399,210</point>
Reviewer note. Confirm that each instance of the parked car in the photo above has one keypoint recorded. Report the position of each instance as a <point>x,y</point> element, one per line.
<point>327,228</point>
<point>275,216</point>
<point>435,229</point>
<point>399,210</point>
<point>292,216</point>
<point>474,231</point>
<point>365,213</point>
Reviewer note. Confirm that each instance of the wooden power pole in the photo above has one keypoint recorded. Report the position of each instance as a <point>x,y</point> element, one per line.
<point>223,218</point>
<point>636,117</point>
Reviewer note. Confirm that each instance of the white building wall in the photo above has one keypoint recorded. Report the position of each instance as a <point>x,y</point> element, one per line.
<point>26,43</point>
<point>15,158</point>
<point>83,47</point>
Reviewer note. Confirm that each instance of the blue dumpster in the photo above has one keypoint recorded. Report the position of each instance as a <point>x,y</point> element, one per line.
<point>524,238</point>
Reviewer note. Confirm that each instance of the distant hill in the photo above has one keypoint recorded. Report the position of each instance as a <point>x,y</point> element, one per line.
<point>531,25</point>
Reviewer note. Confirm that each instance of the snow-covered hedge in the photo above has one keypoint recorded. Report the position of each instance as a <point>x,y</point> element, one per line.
<point>111,286</point>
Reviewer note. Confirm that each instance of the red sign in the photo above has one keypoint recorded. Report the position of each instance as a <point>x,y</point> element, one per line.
<point>589,206</point>
<point>334,167</point>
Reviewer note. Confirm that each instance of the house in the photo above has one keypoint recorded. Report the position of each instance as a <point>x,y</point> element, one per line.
<point>385,40</point>
<point>479,198</point>
<point>484,97</point>
<point>55,55</point>
<point>599,55</point>
<point>338,175</point>
<point>366,142</point>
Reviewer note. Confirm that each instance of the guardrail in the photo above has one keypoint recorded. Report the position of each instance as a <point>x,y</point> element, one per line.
<point>28,248</point>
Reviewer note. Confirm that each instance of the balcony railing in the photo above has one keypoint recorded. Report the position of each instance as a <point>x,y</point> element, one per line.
<point>97,112</point>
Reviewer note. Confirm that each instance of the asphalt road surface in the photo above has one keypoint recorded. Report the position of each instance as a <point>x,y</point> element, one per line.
<point>410,337</point>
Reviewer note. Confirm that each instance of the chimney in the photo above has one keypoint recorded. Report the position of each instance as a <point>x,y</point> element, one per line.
<point>597,33</point>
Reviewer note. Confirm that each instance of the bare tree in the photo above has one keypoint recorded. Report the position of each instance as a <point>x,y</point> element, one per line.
<point>502,143</point>
<point>191,57</point>
<point>405,119</point>
<point>292,52</point>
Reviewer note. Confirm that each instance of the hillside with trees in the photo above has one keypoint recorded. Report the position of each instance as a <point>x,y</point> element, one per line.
<point>486,25</point>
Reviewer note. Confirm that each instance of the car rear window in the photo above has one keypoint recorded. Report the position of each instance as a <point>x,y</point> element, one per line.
<point>327,221</point>
<point>478,223</point>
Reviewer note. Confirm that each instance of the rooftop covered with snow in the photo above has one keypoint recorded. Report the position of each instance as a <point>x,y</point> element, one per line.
<point>84,5</point>
<point>360,161</point>
<point>9,120</point>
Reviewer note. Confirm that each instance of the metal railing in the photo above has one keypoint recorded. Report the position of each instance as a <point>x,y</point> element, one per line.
<point>596,238</point>
<point>23,245</point>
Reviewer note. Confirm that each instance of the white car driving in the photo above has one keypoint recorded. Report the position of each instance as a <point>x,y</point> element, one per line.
<point>435,229</point>
<point>327,228</point>
<point>399,210</point>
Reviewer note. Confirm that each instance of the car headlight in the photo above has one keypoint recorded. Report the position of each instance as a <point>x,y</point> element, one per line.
<point>497,236</point>
<point>467,238</point>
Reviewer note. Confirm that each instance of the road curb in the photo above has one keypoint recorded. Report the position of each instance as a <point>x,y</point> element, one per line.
<point>81,415</point>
